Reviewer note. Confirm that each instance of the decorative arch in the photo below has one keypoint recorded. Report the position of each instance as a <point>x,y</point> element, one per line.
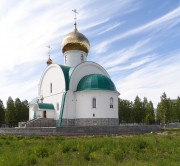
<point>82,70</point>
<point>61,72</point>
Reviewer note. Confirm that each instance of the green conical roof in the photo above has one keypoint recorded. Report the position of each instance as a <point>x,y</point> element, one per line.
<point>95,82</point>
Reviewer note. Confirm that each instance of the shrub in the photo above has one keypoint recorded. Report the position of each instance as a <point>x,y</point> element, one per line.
<point>31,160</point>
<point>139,145</point>
<point>118,155</point>
<point>42,152</point>
<point>65,148</point>
<point>94,156</point>
<point>19,137</point>
<point>7,143</point>
<point>86,156</point>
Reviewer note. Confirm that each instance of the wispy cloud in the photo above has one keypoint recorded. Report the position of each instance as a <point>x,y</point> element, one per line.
<point>134,54</point>
<point>131,65</point>
<point>165,22</point>
<point>121,56</point>
<point>109,28</point>
<point>25,30</point>
<point>153,79</point>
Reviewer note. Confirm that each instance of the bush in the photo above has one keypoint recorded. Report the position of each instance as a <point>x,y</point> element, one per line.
<point>86,156</point>
<point>118,155</point>
<point>42,152</point>
<point>31,160</point>
<point>65,148</point>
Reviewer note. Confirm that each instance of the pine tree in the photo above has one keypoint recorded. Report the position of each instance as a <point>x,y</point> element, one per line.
<point>149,114</point>
<point>10,111</point>
<point>178,109</point>
<point>125,111</point>
<point>2,112</point>
<point>18,109</point>
<point>138,110</point>
<point>164,111</point>
<point>25,111</point>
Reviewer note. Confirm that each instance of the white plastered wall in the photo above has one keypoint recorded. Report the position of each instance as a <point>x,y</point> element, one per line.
<point>84,104</point>
<point>74,57</point>
<point>70,106</point>
<point>53,74</point>
<point>31,112</point>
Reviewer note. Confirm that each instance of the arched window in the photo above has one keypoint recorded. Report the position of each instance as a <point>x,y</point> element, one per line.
<point>111,102</point>
<point>82,58</point>
<point>94,102</point>
<point>50,87</point>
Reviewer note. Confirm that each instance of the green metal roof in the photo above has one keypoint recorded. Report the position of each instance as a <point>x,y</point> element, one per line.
<point>68,71</point>
<point>62,109</point>
<point>65,70</point>
<point>45,106</point>
<point>95,82</point>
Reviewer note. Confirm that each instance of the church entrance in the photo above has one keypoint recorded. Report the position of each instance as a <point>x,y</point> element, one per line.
<point>44,114</point>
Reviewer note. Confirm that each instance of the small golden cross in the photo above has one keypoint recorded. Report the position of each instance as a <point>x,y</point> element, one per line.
<point>75,18</point>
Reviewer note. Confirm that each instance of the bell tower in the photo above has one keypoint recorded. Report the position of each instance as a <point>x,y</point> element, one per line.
<point>75,46</point>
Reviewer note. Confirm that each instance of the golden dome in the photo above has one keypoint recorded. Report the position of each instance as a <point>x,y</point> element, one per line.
<point>49,61</point>
<point>75,41</point>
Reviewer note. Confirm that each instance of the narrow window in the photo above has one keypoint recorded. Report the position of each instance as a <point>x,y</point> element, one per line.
<point>50,87</point>
<point>57,106</point>
<point>65,59</point>
<point>111,102</point>
<point>44,114</point>
<point>94,102</point>
<point>82,58</point>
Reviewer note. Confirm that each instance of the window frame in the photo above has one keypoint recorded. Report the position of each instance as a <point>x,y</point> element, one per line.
<point>51,87</point>
<point>111,102</point>
<point>94,103</point>
<point>82,57</point>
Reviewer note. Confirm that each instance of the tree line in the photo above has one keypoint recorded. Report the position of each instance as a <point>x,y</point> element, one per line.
<point>136,112</point>
<point>15,111</point>
<point>143,111</point>
<point>139,111</point>
<point>168,110</point>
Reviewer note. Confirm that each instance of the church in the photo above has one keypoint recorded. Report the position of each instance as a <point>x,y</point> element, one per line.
<point>77,93</point>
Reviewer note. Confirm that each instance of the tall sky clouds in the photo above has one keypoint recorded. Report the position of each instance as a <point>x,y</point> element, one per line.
<point>136,41</point>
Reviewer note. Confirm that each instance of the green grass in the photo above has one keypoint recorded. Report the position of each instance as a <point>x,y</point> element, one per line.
<point>141,150</point>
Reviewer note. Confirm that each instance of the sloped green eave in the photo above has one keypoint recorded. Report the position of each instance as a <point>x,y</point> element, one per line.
<point>65,70</point>
<point>45,106</point>
<point>61,109</point>
<point>71,70</point>
<point>96,82</point>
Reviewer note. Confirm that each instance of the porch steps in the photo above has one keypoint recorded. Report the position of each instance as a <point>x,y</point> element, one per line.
<point>41,122</point>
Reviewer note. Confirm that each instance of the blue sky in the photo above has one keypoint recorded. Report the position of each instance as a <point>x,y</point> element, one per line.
<point>136,41</point>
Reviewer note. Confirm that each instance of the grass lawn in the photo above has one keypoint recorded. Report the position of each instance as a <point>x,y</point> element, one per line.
<point>150,149</point>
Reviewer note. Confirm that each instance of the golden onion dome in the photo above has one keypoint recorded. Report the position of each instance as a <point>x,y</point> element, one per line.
<point>75,41</point>
<point>49,61</point>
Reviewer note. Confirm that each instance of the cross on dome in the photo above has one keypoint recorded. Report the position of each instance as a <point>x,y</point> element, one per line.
<point>49,61</point>
<point>75,40</point>
<point>75,18</point>
<point>49,50</point>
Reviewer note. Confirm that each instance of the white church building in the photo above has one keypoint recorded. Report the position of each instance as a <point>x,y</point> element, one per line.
<point>77,93</point>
